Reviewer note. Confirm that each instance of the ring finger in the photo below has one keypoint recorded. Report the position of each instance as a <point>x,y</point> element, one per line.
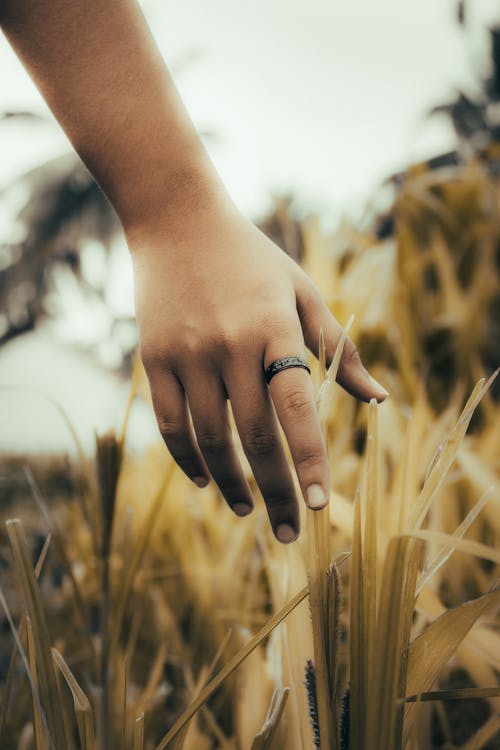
<point>208,406</point>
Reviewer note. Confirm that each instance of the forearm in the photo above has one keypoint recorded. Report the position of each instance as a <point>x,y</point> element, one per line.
<point>101,73</point>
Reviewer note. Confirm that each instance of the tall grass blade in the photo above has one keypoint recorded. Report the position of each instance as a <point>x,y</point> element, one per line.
<point>486,733</point>
<point>264,739</point>
<point>429,653</point>
<point>369,511</point>
<point>38,725</point>
<point>230,667</point>
<point>58,538</point>
<point>139,732</point>
<point>441,557</point>
<point>18,638</point>
<point>136,558</point>
<point>458,694</point>
<point>358,658</point>
<point>83,709</point>
<point>326,390</point>
<point>446,453</point>
<point>455,543</point>
<point>333,642</point>
<point>395,614</point>
<point>319,559</point>
<point>49,694</point>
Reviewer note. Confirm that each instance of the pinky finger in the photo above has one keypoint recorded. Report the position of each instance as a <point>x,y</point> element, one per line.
<point>170,405</point>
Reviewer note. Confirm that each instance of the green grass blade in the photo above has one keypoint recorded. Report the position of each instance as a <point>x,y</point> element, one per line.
<point>230,667</point>
<point>49,694</point>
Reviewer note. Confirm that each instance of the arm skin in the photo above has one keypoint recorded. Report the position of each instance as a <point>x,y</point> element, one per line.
<point>216,300</point>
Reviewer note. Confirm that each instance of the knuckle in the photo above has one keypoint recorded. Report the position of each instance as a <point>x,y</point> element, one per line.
<point>351,353</point>
<point>310,456</point>
<point>258,442</point>
<point>277,503</point>
<point>297,404</point>
<point>168,427</point>
<point>212,444</point>
<point>150,355</point>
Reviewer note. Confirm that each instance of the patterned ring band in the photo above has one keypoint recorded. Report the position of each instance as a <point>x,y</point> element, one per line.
<point>284,364</point>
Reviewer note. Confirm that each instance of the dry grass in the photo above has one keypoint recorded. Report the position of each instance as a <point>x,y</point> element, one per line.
<point>171,623</point>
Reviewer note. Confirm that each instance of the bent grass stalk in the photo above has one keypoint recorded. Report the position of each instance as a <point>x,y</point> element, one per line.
<point>229,668</point>
<point>319,559</point>
<point>47,684</point>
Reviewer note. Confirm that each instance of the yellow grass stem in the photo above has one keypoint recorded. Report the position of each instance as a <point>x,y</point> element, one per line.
<point>484,734</point>
<point>369,511</point>
<point>358,657</point>
<point>325,394</point>
<point>319,559</point>
<point>394,618</point>
<point>455,695</point>
<point>58,539</point>
<point>435,646</point>
<point>446,453</point>
<point>264,739</point>
<point>455,543</point>
<point>38,724</point>
<point>429,653</point>
<point>139,732</point>
<point>137,371</point>
<point>18,638</point>
<point>49,694</point>
<point>230,667</point>
<point>83,709</point>
<point>441,557</point>
<point>135,560</point>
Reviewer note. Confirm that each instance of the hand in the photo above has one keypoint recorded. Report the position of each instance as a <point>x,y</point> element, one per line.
<point>217,302</point>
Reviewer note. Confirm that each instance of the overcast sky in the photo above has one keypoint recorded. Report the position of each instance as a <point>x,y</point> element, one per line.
<point>323,98</point>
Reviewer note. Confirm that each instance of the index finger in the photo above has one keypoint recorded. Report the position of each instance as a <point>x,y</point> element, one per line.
<point>293,395</point>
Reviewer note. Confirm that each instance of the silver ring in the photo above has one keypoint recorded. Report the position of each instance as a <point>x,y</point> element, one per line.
<point>284,364</point>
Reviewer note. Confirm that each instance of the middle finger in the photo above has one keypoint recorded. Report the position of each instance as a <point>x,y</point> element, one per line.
<point>257,425</point>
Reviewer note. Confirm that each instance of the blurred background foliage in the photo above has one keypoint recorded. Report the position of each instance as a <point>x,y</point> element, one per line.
<point>147,578</point>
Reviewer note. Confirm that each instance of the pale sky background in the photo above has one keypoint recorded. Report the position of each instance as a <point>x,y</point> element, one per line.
<point>323,98</point>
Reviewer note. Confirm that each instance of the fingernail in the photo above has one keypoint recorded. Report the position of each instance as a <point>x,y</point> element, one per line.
<point>200,482</point>
<point>242,509</point>
<point>286,533</point>
<point>377,386</point>
<point>315,496</point>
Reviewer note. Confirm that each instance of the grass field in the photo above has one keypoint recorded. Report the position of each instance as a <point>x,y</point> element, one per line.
<point>161,620</point>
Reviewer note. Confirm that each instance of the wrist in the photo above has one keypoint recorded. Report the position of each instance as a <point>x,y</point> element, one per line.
<point>178,206</point>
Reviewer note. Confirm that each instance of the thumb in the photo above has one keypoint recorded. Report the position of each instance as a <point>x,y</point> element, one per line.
<point>314,314</point>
